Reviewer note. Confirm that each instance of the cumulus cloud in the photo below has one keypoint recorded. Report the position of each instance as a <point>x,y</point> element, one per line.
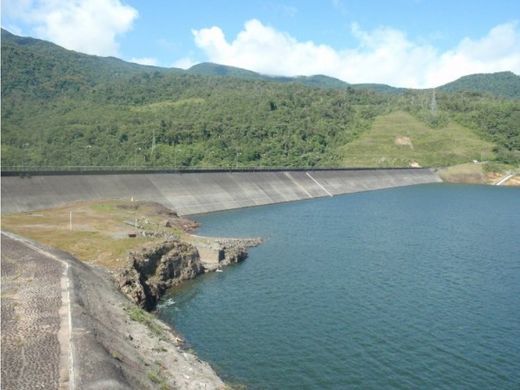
<point>384,55</point>
<point>144,61</point>
<point>89,26</point>
<point>184,63</point>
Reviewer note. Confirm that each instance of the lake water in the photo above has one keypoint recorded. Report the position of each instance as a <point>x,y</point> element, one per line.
<point>415,287</point>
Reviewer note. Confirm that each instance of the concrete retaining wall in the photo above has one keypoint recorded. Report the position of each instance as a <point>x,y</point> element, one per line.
<point>193,193</point>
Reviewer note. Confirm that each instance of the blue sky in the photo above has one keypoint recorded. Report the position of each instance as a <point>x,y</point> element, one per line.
<point>412,43</point>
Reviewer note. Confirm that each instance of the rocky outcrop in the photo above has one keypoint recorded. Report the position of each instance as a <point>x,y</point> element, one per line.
<point>235,250</point>
<point>156,268</point>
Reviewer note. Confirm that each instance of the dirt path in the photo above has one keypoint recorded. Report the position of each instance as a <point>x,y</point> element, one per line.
<point>36,327</point>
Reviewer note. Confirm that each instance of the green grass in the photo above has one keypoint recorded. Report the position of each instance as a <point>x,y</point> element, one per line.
<point>139,315</point>
<point>154,377</point>
<point>450,145</point>
<point>103,207</point>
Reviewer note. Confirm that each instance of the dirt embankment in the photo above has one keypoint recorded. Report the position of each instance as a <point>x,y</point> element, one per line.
<point>475,173</point>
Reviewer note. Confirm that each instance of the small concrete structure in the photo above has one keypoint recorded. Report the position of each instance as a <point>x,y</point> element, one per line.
<point>195,193</point>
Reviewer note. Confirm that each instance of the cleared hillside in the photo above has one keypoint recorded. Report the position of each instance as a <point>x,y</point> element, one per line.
<point>398,139</point>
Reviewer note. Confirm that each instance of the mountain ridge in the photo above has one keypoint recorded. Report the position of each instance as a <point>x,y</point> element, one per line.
<point>63,108</point>
<point>503,84</point>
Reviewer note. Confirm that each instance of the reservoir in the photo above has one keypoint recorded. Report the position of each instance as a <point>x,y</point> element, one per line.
<point>413,287</point>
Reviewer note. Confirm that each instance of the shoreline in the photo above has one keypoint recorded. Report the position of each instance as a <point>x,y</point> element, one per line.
<point>113,341</point>
<point>156,268</point>
<point>133,346</point>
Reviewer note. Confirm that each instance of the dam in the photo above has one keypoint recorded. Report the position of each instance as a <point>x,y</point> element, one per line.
<point>197,192</point>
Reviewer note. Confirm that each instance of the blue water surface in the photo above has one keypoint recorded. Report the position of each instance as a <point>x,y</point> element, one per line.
<point>415,287</point>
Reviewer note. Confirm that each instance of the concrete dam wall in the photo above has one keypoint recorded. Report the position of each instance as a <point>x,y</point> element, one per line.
<point>201,192</point>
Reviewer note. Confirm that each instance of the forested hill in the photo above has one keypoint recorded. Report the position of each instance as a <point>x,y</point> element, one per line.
<point>506,84</point>
<point>46,68</point>
<point>63,108</point>
<point>503,84</point>
<point>89,69</point>
<point>211,69</point>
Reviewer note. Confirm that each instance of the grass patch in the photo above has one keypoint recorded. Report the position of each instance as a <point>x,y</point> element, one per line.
<point>154,377</point>
<point>398,139</point>
<point>139,315</point>
<point>105,207</point>
<point>99,231</point>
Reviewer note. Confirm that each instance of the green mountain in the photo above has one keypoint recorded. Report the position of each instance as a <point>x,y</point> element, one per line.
<point>48,69</point>
<point>506,84</point>
<point>60,107</point>
<point>63,108</point>
<point>317,81</point>
<point>380,88</point>
<point>321,81</point>
<point>211,69</point>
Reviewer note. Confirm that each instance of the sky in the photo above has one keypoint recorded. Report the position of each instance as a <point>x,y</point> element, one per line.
<point>404,43</point>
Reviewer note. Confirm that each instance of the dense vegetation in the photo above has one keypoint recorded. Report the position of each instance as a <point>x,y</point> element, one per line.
<point>62,108</point>
<point>505,84</point>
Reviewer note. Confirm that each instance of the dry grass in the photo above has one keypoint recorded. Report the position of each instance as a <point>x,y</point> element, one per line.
<point>99,232</point>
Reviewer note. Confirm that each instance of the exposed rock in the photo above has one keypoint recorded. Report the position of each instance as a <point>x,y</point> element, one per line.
<point>154,269</point>
<point>218,252</point>
<point>235,250</point>
<point>403,141</point>
<point>184,223</point>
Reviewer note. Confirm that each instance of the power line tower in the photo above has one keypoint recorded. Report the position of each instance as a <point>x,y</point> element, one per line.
<point>153,147</point>
<point>433,104</point>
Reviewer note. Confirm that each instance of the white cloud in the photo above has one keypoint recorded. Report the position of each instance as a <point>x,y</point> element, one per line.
<point>384,55</point>
<point>89,26</point>
<point>144,61</point>
<point>184,63</point>
<point>497,51</point>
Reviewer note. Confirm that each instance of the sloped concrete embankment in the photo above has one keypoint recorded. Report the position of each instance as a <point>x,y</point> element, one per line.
<point>194,193</point>
<point>110,343</point>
